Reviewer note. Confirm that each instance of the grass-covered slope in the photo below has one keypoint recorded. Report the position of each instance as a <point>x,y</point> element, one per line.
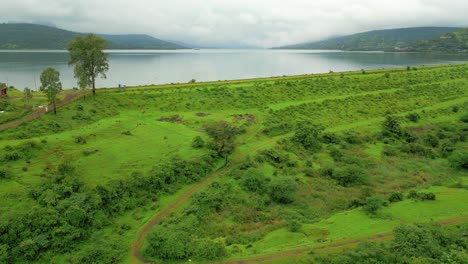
<point>31,36</point>
<point>237,169</point>
<point>377,40</point>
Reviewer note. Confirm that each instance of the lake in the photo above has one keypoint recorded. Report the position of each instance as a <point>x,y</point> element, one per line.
<point>140,67</point>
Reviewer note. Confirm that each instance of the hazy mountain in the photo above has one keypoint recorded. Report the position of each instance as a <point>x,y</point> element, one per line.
<point>34,36</point>
<point>383,40</point>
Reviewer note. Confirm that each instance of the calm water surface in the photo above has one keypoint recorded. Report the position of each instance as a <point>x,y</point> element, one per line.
<point>140,67</point>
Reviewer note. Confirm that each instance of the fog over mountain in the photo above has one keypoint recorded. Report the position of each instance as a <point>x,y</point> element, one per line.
<point>261,23</point>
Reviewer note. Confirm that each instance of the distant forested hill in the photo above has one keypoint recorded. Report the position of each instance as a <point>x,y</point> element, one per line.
<point>32,36</point>
<point>383,40</point>
<point>449,42</point>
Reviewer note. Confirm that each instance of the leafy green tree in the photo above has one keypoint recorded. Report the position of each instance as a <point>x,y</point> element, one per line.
<point>253,180</point>
<point>459,159</point>
<point>222,135</point>
<point>373,204</point>
<point>308,135</point>
<point>198,142</point>
<point>51,85</point>
<point>89,60</point>
<point>391,126</point>
<point>27,95</point>
<point>283,190</point>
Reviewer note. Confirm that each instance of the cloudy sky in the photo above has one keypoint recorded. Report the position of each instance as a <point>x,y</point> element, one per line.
<point>262,23</point>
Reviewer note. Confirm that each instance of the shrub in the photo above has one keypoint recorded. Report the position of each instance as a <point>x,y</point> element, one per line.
<point>330,138</point>
<point>89,152</point>
<point>413,117</point>
<point>80,140</point>
<point>283,190</point>
<point>308,135</point>
<point>350,175</point>
<point>455,109</point>
<point>459,160</point>
<point>464,118</point>
<point>395,197</point>
<point>418,149</point>
<point>293,225</point>
<point>373,204</point>
<point>5,174</point>
<point>127,133</point>
<point>431,140</point>
<point>198,142</point>
<point>391,126</point>
<point>254,181</point>
<point>421,196</point>
<point>11,156</point>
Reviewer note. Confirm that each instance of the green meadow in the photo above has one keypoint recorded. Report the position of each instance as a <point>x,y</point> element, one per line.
<point>238,170</point>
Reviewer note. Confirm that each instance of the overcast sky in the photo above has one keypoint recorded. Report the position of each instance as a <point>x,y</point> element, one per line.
<point>263,23</point>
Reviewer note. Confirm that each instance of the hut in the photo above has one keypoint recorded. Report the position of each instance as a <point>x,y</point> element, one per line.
<point>3,92</point>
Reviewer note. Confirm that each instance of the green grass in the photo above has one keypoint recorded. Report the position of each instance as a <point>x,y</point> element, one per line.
<point>355,224</point>
<point>355,103</point>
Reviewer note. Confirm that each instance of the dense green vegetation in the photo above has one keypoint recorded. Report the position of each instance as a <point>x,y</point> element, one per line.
<point>401,39</point>
<point>456,41</point>
<point>32,36</point>
<point>283,163</point>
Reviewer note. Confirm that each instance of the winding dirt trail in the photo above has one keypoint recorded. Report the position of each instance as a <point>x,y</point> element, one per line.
<point>69,97</point>
<point>136,257</point>
<point>347,243</point>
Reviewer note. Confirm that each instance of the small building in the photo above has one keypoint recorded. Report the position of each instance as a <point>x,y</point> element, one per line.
<point>3,92</point>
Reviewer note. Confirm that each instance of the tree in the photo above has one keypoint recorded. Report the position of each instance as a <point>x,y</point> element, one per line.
<point>89,60</point>
<point>51,85</point>
<point>391,126</point>
<point>308,135</point>
<point>222,135</point>
<point>283,190</point>
<point>27,95</point>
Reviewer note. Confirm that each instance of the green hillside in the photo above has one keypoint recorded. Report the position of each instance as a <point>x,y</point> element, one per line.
<point>449,42</point>
<point>228,171</point>
<point>32,36</point>
<point>377,40</point>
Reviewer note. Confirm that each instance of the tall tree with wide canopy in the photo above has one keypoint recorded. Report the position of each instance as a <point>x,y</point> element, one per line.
<point>89,60</point>
<point>51,85</point>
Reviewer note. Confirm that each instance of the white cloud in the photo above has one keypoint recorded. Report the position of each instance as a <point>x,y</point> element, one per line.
<point>252,22</point>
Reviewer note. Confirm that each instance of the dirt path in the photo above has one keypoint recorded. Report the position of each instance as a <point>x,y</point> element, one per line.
<point>354,242</point>
<point>69,97</point>
<point>239,157</point>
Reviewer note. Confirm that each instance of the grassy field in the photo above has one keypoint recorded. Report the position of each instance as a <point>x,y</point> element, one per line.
<point>308,152</point>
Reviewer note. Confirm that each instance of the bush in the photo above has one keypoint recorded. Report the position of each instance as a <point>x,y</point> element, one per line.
<point>308,135</point>
<point>254,181</point>
<point>198,142</point>
<point>421,196</point>
<point>373,204</point>
<point>283,190</point>
<point>293,225</point>
<point>464,118</point>
<point>418,149</point>
<point>349,175</point>
<point>395,197</point>
<point>5,174</point>
<point>391,126</point>
<point>413,117</point>
<point>80,140</point>
<point>459,160</point>
<point>431,140</point>
<point>127,133</point>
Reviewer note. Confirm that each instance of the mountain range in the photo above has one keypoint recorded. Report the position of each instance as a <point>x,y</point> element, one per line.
<point>448,39</point>
<point>33,36</point>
